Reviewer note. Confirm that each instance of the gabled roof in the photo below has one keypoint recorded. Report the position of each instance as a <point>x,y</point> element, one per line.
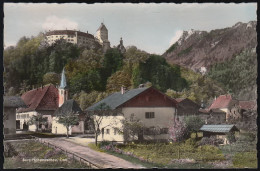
<point>69,106</point>
<point>116,99</point>
<point>246,105</point>
<point>223,101</point>
<point>102,27</point>
<point>13,101</point>
<point>45,98</point>
<point>218,128</point>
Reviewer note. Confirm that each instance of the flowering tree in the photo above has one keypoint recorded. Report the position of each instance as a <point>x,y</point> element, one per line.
<point>177,130</point>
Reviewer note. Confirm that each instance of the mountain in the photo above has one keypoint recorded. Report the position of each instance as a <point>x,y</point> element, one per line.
<point>196,49</point>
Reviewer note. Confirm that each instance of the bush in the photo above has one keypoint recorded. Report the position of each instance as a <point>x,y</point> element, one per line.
<point>191,142</point>
<point>9,150</point>
<point>104,143</point>
<point>247,137</point>
<point>211,141</point>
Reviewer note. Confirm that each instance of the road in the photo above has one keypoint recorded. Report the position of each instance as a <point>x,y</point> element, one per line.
<point>102,159</point>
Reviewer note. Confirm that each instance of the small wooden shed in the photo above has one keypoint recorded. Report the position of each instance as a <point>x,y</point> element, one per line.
<point>220,131</point>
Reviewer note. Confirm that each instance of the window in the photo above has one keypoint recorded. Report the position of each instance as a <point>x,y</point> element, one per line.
<point>132,117</point>
<point>164,131</point>
<point>149,115</point>
<point>27,115</point>
<point>114,131</point>
<point>108,131</point>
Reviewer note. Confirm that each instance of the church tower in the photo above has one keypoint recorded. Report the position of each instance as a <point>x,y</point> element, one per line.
<point>63,91</point>
<point>102,36</point>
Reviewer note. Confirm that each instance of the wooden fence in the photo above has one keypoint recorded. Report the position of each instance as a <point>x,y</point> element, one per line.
<point>73,155</point>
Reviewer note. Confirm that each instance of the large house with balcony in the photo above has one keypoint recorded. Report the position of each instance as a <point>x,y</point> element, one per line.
<point>147,104</point>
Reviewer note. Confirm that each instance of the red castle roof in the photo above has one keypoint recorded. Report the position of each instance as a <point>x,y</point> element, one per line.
<point>46,98</point>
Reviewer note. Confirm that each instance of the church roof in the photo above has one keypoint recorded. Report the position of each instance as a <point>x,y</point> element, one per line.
<point>13,101</point>
<point>102,27</point>
<point>45,98</point>
<point>69,106</point>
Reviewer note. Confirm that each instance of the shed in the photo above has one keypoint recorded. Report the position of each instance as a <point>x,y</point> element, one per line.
<point>220,131</point>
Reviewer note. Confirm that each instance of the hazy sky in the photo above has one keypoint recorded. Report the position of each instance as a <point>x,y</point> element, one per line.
<point>151,27</point>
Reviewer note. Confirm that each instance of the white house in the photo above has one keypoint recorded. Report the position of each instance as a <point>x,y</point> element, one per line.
<point>153,108</point>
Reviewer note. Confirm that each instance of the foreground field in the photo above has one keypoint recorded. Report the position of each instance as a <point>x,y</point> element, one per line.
<point>185,155</point>
<point>31,155</point>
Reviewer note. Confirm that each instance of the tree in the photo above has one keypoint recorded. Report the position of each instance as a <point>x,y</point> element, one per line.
<point>51,78</point>
<point>97,116</point>
<point>193,124</point>
<point>38,120</point>
<point>132,127</point>
<point>68,120</point>
<point>177,130</point>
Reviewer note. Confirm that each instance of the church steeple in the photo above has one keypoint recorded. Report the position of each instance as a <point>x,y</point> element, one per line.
<point>63,91</point>
<point>63,83</point>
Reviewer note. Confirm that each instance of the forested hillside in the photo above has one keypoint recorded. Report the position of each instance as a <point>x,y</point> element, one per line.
<point>238,75</point>
<point>92,75</point>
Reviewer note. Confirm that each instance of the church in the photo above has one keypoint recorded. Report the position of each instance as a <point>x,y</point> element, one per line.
<point>43,100</point>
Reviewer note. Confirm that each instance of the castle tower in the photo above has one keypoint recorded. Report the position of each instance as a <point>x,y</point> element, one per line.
<point>121,47</point>
<point>102,36</point>
<point>63,91</point>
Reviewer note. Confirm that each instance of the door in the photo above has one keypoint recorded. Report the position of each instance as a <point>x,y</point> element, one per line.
<point>18,124</point>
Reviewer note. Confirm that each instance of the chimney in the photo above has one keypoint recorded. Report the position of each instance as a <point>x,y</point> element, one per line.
<point>122,90</point>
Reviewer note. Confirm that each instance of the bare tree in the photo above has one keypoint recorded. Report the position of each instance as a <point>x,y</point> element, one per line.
<point>98,115</point>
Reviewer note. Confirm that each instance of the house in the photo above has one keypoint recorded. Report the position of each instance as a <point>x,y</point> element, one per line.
<point>220,131</point>
<point>153,108</point>
<point>225,103</point>
<point>68,107</point>
<point>186,107</point>
<point>44,100</point>
<point>247,106</point>
<point>11,103</point>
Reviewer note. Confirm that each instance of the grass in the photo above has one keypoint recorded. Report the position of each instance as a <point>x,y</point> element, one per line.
<point>245,159</point>
<point>241,154</point>
<point>161,155</point>
<point>94,147</point>
<point>30,152</point>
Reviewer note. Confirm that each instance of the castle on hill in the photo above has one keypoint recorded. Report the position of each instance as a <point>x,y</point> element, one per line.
<point>82,38</point>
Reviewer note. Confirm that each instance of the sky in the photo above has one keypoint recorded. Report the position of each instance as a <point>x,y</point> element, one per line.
<point>150,27</point>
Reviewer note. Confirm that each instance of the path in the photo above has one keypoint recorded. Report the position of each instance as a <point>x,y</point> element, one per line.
<point>102,159</point>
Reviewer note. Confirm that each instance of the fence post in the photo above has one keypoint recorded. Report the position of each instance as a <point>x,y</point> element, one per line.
<point>179,153</point>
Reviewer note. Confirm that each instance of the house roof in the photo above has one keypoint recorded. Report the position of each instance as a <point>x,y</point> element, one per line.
<point>13,101</point>
<point>102,26</point>
<point>247,104</point>
<point>218,128</point>
<point>223,101</point>
<point>45,98</point>
<point>116,99</point>
<point>69,106</point>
